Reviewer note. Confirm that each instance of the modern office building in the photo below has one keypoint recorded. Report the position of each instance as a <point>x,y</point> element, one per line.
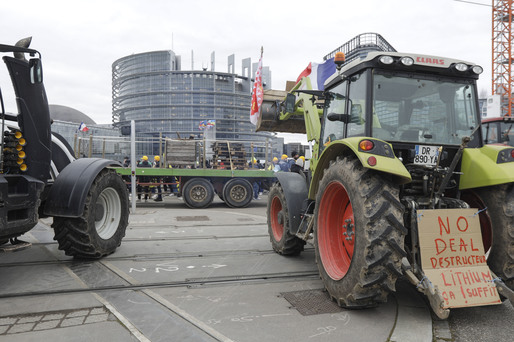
<point>163,100</point>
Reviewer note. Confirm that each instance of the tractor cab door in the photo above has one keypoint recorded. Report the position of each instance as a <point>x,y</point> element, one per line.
<point>345,110</point>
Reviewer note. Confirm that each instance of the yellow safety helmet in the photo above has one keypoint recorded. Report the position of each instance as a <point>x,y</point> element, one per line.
<point>302,158</point>
<point>275,159</point>
<point>284,156</point>
<point>145,158</point>
<point>157,158</point>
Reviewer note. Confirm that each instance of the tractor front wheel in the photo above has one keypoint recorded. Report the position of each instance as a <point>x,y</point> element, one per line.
<point>100,229</point>
<point>282,240</point>
<point>359,234</point>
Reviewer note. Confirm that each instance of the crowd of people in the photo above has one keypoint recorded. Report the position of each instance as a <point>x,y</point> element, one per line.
<point>294,164</point>
<point>285,164</point>
<point>169,184</point>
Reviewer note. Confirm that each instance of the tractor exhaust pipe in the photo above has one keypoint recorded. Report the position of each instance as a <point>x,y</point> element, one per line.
<point>24,43</point>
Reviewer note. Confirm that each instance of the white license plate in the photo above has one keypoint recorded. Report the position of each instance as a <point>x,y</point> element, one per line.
<point>426,155</point>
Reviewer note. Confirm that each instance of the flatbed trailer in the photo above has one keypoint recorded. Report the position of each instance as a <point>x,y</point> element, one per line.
<point>198,186</point>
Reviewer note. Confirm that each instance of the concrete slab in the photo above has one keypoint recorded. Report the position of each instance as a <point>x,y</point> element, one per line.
<point>214,267</point>
<point>258,312</point>
<point>147,216</point>
<point>491,323</point>
<point>414,322</point>
<point>188,247</point>
<point>153,320</point>
<point>27,279</point>
<point>37,253</point>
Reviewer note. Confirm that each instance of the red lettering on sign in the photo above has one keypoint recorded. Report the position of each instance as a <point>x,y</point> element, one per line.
<point>459,224</point>
<point>473,248</point>
<point>444,280</point>
<point>463,245</point>
<point>441,226</point>
<point>438,246</point>
<point>452,244</point>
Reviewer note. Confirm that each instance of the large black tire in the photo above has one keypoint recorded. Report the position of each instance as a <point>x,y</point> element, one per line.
<point>358,234</point>
<point>100,229</point>
<point>237,193</point>
<point>497,224</point>
<point>282,241</point>
<point>198,193</point>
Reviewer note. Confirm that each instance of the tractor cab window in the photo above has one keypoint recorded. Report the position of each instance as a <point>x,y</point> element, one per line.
<point>417,109</point>
<point>357,98</point>
<point>507,133</point>
<point>498,132</point>
<point>490,133</point>
<point>335,102</point>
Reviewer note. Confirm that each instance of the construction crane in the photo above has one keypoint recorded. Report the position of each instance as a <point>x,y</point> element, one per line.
<point>502,54</point>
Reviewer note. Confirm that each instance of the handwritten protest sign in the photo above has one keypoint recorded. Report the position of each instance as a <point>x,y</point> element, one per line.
<point>453,258</point>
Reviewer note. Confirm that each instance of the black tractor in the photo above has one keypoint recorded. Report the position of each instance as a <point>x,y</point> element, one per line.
<point>40,177</point>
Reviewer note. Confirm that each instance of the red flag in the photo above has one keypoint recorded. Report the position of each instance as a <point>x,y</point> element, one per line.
<point>257,94</point>
<point>305,73</point>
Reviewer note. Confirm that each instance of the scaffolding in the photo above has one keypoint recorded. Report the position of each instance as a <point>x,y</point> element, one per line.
<point>502,51</point>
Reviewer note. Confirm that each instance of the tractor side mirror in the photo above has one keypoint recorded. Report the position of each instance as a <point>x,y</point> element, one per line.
<point>338,117</point>
<point>36,71</point>
<point>290,102</point>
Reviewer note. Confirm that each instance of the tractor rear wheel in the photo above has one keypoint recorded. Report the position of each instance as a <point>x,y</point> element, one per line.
<point>100,229</point>
<point>497,225</point>
<point>282,240</point>
<point>359,234</point>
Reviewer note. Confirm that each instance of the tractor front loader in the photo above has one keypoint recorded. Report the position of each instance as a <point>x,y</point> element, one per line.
<point>399,183</point>
<point>39,176</point>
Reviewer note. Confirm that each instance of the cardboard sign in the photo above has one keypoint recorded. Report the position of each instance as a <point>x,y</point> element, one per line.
<point>453,258</point>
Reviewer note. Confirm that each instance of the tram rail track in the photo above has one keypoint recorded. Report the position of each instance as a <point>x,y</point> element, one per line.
<point>174,238</point>
<point>222,280</point>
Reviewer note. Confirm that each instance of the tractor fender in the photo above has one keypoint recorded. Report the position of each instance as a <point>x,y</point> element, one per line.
<point>350,146</point>
<point>295,192</point>
<point>68,193</point>
<point>486,166</point>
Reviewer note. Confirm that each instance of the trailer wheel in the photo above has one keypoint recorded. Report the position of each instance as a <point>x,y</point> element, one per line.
<point>198,193</point>
<point>237,193</point>
<point>100,229</point>
<point>359,234</point>
<point>497,225</point>
<point>282,241</point>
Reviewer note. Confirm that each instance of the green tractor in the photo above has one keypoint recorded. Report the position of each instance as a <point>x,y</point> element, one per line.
<point>394,136</point>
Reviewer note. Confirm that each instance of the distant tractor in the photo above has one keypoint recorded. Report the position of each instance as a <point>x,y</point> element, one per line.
<point>498,130</point>
<point>39,177</point>
<point>397,141</point>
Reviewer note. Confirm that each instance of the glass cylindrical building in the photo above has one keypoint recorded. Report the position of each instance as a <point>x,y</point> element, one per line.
<point>150,89</point>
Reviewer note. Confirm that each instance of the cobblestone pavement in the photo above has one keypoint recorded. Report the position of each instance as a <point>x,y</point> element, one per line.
<point>10,325</point>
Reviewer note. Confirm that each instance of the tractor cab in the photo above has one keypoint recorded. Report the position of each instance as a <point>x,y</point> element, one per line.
<point>405,100</point>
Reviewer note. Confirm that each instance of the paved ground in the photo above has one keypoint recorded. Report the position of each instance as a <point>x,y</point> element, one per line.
<point>190,275</point>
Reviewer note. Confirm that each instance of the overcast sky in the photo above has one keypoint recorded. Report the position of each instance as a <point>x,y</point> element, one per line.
<point>79,40</point>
